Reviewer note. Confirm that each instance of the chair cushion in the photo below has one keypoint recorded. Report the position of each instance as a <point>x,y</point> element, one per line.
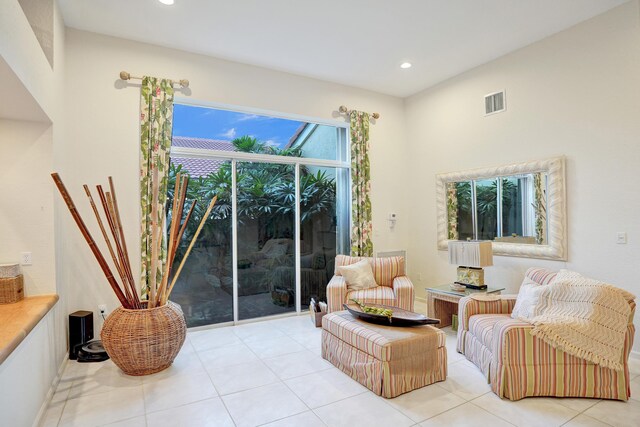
<point>384,269</point>
<point>378,295</point>
<point>481,326</point>
<point>358,276</point>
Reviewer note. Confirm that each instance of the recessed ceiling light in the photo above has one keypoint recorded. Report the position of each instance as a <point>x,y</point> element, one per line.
<point>405,65</point>
<point>167,2</point>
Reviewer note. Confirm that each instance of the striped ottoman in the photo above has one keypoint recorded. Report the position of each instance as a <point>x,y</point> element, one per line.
<point>387,360</point>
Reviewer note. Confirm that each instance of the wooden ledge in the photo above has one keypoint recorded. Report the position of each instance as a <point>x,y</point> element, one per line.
<point>18,319</point>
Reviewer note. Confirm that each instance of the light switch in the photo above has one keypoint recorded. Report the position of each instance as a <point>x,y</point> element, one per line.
<point>621,238</point>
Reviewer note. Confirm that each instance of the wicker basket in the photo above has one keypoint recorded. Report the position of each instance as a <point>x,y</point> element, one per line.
<point>9,270</point>
<point>142,342</point>
<point>11,289</point>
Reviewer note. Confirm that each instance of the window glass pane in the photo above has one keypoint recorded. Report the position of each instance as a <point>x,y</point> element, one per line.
<point>487,208</point>
<point>465,217</point>
<point>204,289</point>
<point>216,129</point>
<point>319,208</point>
<point>266,244</point>
<point>512,204</point>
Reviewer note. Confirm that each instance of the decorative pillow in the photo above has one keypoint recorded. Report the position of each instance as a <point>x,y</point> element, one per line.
<point>531,301</point>
<point>358,276</point>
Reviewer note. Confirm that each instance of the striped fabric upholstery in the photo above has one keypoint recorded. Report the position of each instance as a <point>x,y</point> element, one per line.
<point>541,276</point>
<point>384,269</point>
<point>387,366</point>
<point>378,295</point>
<point>405,293</point>
<point>394,287</point>
<point>336,293</point>
<point>519,365</point>
<point>524,365</point>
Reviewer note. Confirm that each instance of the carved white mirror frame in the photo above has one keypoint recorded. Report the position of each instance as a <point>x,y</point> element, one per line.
<point>556,247</point>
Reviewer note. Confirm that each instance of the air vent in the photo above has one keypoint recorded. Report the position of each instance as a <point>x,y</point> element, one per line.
<point>494,103</point>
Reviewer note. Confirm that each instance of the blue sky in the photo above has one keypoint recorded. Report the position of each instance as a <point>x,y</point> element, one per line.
<point>200,122</point>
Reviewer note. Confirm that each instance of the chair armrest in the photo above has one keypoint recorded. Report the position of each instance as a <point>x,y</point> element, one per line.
<point>404,292</point>
<point>336,293</point>
<point>468,306</point>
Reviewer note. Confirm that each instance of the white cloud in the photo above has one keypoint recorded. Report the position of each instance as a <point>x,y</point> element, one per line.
<point>245,117</point>
<point>231,133</point>
<point>273,142</point>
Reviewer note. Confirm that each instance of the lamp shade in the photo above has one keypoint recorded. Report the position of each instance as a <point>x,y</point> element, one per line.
<point>474,253</point>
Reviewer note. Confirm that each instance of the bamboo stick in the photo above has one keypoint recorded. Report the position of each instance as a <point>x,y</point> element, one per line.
<point>180,211</point>
<point>110,220</point>
<point>129,284</point>
<point>124,262</point>
<point>175,221</point>
<point>132,283</point>
<point>154,235</point>
<point>92,244</point>
<point>193,241</point>
<point>186,220</point>
<point>107,240</point>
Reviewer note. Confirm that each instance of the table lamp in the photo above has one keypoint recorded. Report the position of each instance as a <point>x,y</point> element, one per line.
<point>470,256</point>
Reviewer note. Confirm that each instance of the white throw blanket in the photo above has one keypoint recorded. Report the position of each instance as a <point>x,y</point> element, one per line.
<point>585,318</point>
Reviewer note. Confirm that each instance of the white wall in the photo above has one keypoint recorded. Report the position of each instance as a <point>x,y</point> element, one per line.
<point>574,94</point>
<point>102,136</point>
<point>27,214</point>
<point>20,49</point>
<point>26,198</point>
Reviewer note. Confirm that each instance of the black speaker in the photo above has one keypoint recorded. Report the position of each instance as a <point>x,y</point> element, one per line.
<point>80,331</point>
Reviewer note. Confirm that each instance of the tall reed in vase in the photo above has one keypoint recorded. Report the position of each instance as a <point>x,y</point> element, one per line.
<point>142,336</point>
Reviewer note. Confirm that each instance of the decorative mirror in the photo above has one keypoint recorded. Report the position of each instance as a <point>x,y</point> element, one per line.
<point>520,207</point>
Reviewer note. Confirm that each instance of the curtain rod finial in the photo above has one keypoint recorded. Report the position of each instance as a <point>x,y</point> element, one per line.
<point>184,83</point>
<point>343,109</point>
<point>375,115</point>
<point>124,75</point>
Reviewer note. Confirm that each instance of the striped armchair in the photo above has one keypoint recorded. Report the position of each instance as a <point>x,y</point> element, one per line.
<point>518,365</point>
<point>394,288</point>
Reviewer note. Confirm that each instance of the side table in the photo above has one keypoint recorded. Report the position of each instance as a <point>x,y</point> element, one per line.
<point>442,301</point>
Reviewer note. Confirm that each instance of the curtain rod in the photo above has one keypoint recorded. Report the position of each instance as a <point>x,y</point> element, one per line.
<point>124,75</point>
<point>344,110</point>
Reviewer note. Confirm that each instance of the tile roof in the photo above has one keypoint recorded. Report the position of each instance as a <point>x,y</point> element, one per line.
<point>207,144</point>
<point>200,167</point>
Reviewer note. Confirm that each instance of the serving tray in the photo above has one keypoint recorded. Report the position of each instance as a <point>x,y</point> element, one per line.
<point>400,317</point>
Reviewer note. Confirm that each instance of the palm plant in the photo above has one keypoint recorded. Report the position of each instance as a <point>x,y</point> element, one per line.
<point>265,194</point>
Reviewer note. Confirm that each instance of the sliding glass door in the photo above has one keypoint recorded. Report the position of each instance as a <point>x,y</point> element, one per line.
<point>282,213</point>
<point>204,289</point>
<point>266,238</point>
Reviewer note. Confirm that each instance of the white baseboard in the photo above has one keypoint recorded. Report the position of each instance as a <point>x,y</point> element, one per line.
<point>421,299</point>
<point>51,392</point>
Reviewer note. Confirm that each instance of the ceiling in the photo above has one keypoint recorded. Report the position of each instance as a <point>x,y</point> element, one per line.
<point>358,43</point>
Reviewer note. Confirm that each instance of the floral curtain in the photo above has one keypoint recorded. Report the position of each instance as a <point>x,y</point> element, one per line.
<point>156,113</point>
<point>361,228</point>
<point>452,211</point>
<point>540,207</point>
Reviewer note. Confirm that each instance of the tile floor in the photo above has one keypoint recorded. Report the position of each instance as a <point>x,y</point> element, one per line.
<point>271,373</point>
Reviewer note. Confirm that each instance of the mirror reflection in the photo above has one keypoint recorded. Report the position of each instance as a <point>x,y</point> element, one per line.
<point>508,209</point>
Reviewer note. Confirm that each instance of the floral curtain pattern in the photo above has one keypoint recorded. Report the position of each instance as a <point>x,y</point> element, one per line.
<point>156,114</point>
<point>452,211</point>
<point>540,207</point>
<point>361,228</point>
